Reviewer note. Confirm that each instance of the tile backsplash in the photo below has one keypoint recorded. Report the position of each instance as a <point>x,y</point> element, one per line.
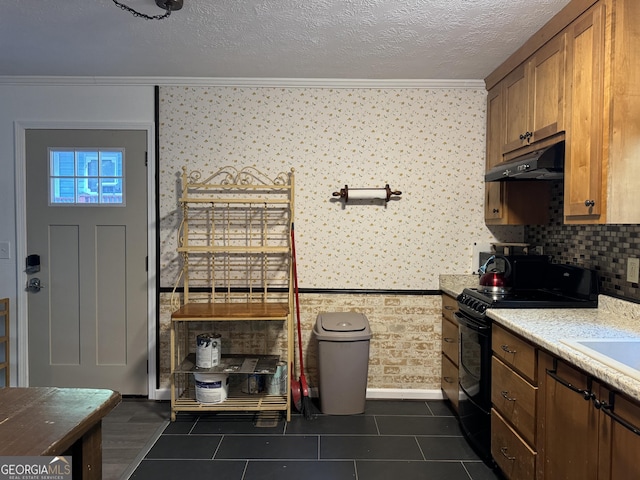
<point>604,248</point>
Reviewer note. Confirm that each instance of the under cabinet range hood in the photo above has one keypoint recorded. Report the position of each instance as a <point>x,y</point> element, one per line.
<point>543,164</point>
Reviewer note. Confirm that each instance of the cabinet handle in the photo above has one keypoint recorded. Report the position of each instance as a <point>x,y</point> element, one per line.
<point>448,379</point>
<point>503,451</point>
<point>526,135</point>
<point>586,394</point>
<point>505,395</point>
<point>448,307</point>
<point>589,203</point>
<point>495,210</point>
<point>607,409</point>
<point>449,340</point>
<point>506,349</point>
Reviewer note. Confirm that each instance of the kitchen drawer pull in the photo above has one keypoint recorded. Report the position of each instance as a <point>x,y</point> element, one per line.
<point>506,349</point>
<point>448,379</point>
<point>448,307</point>
<point>449,340</point>
<point>503,451</point>
<point>505,395</point>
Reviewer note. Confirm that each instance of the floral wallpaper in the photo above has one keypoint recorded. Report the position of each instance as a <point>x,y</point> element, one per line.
<point>427,143</point>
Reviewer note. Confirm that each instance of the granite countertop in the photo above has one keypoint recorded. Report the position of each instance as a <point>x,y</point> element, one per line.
<point>614,318</point>
<point>546,328</point>
<point>454,284</point>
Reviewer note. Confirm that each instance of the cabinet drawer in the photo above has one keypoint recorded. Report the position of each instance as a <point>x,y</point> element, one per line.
<point>449,307</point>
<point>514,398</point>
<point>515,352</point>
<point>512,454</point>
<point>450,341</point>
<point>449,381</point>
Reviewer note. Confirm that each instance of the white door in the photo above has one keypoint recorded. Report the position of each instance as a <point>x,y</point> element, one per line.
<point>87,221</point>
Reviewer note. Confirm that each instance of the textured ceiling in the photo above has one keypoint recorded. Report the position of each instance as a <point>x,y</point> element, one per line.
<point>343,39</point>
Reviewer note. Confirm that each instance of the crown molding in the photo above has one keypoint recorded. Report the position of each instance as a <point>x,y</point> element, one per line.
<point>245,82</point>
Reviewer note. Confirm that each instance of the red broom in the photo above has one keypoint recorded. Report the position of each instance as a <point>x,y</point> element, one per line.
<point>299,388</point>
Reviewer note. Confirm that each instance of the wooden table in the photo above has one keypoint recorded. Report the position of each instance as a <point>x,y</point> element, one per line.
<point>47,421</point>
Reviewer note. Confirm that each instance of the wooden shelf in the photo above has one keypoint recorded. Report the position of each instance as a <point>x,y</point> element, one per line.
<point>234,364</point>
<point>234,243</point>
<point>231,311</point>
<point>232,249</point>
<point>234,201</point>
<point>236,401</point>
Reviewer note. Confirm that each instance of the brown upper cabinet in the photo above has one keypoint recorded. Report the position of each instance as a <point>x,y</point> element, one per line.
<point>577,79</point>
<point>509,203</point>
<point>585,86</point>
<point>534,98</point>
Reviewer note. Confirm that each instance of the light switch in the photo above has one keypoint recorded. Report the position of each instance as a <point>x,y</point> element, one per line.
<point>5,250</point>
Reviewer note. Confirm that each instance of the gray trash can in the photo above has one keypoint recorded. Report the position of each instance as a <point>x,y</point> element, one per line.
<point>343,361</point>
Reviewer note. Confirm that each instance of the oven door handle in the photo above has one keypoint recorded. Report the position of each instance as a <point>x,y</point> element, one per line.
<point>471,323</point>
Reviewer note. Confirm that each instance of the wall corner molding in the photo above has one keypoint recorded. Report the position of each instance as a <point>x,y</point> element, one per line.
<point>247,82</point>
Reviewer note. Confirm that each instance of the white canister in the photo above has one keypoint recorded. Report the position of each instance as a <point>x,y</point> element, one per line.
<point>208,350</point>
<point>211,387</point>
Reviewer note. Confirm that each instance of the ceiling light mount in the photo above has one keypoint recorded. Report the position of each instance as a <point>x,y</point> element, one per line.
<point>171,5</point>
<point>167,5</point>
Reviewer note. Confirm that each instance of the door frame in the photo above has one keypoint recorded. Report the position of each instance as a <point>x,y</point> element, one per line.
<point>22,340</point>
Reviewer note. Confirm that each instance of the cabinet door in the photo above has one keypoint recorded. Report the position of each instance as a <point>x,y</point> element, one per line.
<point>494,191</point>
<point>546,90</point>
<point>516,109</point>
<point>494,202</point>
<point>584,147</point>
<point>495,126</point>
<point>568,425</point>
<point>619,443</point>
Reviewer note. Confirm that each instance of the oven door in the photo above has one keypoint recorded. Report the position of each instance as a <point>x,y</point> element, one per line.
<point>475,383</point>
<point>475,360</point>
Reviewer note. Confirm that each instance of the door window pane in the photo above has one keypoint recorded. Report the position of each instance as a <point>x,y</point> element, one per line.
<point>86,177</point>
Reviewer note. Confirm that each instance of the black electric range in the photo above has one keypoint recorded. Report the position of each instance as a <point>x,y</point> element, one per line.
<point>536,283</point>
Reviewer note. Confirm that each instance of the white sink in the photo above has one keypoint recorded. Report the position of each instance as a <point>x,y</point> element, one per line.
<point>622,354</point>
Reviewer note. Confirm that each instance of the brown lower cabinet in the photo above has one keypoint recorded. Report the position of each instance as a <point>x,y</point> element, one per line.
<point>513,398</point>
<point>552,421</point>
<point>449,356</point>
<point>516,459</point>
<point>586,431</point>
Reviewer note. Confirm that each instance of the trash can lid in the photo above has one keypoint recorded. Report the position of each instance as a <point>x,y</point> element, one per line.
<point>346,326</point>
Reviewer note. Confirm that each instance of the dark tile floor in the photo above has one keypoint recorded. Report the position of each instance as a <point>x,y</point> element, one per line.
<point>392,439</point>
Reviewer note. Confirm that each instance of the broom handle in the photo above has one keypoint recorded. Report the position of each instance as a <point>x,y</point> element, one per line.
<point>295,290</point>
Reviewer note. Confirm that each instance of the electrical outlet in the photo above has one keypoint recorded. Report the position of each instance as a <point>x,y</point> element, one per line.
<point>5,250</point>
<point>633,270</point>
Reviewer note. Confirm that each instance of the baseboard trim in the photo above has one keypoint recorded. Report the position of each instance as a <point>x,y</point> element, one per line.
<point>372,394</point>
<point>403,394</point>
